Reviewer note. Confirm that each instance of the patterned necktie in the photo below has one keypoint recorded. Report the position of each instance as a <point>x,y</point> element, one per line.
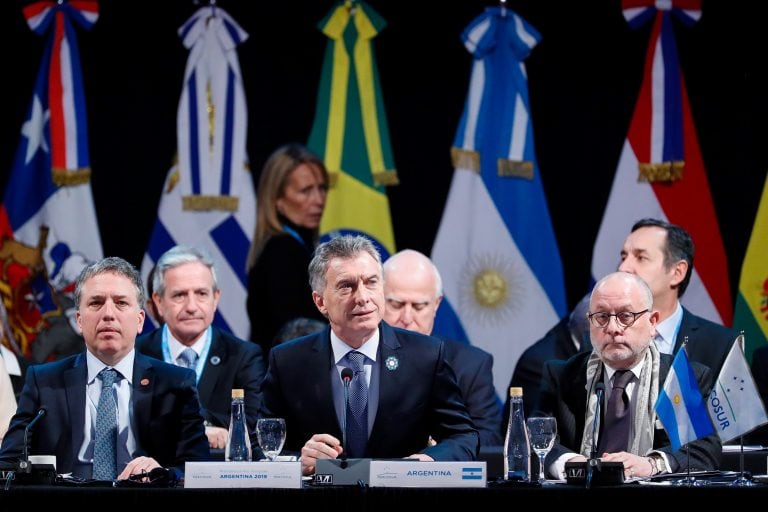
<point>104,454</point>
<point>615,436</point>
<point>357,413</point>
<point>188,358</point>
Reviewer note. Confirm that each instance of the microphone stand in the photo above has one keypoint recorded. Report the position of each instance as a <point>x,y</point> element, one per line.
<point>346,377</point>
<point>594,461</point>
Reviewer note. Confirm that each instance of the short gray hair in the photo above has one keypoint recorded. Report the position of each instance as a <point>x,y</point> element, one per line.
<point>180,255</point>
<point>345,247</point>
<point>110,265</point>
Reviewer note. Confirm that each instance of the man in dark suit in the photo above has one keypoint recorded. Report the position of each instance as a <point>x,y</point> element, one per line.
<point>623,321</point>
<point>404,390</point>
<point>158,412</point>
<point>185,295</point>
<point>413,290</point>
<point>662,254</point>
<point>569,336</point>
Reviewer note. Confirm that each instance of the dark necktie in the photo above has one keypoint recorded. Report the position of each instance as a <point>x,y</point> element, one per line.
<point>615,436</point>
<point>357,414</point>
<point>188,358</point>
<point>104,455</point>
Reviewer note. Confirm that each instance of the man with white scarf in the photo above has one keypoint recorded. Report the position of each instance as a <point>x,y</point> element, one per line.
<point>622,326</point>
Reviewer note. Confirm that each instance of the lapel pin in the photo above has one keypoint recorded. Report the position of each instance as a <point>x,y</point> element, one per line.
<point>145,382</point>
<point>391,363</point>
<point>215,360</point>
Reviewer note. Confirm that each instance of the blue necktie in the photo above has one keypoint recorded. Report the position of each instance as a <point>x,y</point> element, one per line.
<point>188,358</point>
<point>104,455</point>
<point>357,414</point>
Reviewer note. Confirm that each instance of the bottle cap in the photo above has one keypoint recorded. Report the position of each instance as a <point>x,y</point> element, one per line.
<point>515,391</point>
<point>238,393</point>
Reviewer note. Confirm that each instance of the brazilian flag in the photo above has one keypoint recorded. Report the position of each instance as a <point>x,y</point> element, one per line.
<point>350,130</point>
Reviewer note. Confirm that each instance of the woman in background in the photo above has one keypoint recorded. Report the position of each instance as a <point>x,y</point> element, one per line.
<point>290,200</point>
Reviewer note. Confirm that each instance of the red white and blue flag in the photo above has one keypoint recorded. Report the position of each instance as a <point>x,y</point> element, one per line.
<point>208,199</point>
<point>48,227</point>
<point>661,172</point>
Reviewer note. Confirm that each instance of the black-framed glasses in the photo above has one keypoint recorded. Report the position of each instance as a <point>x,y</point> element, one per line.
<point>625,319</point>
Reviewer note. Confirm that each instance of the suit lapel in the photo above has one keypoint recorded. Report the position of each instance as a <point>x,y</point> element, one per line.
<point>319,371</point>
<point>210,375</point>
<point>391,382</point>
<point>143,391</point>
<point>75,380</point>
<point>688,327</point>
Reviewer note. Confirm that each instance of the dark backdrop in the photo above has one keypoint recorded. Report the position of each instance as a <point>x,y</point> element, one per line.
<point>583,81</point>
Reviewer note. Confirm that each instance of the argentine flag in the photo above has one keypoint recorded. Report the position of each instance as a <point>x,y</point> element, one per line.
<point>680,407</point>
<point>495,248</point>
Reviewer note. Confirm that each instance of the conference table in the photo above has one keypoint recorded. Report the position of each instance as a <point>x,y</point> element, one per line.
<point>359,499</point>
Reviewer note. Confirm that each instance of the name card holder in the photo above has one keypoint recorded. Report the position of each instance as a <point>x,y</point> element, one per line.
<point>216,475</point>
<point>427,474</point>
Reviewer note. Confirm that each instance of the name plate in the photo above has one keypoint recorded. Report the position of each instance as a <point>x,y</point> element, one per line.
<point>427,474</point>
<point>214,475</point>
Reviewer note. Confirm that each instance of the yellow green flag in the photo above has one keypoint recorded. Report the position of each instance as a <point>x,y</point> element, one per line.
<point>751,313</point>
<point>350,128</point>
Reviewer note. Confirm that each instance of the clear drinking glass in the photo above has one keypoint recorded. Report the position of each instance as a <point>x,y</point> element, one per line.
<point>270,433</point>
<point>542,431</point>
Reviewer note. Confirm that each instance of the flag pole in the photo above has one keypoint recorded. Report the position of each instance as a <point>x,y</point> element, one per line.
<point>742,481</point>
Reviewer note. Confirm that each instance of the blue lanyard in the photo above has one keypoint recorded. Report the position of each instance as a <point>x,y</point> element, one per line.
<point>200,360</point>
<point>295,235</point>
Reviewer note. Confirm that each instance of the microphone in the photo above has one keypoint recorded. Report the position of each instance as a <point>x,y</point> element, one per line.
<point>593,459</point>
<point>24,465</point>
<point>599,392</point>
<point>346,377</point>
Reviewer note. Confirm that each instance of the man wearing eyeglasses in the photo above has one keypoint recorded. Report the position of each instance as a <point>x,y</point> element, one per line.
<point>662,254</point>
<point>623,319</point>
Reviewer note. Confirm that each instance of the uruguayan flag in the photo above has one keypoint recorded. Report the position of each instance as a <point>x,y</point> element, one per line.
<point>208,199</point>
<point>495,248</point>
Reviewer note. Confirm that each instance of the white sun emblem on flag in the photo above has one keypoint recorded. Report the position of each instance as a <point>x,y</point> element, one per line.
<point>489,288</point>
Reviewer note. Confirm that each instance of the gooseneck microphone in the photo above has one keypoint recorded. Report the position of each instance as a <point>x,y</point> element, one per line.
<point>24,465</point>
<point>593,459</point>
<point>346,378</point>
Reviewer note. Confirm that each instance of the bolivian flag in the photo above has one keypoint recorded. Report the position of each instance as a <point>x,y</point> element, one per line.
<point>751,312</point>
<point>350,129</point>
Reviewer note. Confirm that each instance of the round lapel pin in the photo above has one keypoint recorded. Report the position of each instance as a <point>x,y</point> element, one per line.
<point>215,360</point>
<point>391,363</point>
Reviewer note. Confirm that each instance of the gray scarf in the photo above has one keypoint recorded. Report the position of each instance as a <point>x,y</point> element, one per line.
<point>643,406</point>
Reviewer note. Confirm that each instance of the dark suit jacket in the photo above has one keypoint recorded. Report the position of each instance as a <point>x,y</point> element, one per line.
<point>473,367</point>
<point>708,342</point>
<point>760,373</point>
<point>166,413</point>
<point>556,344</point>
<point>418,398</point>
<point>564,396</point>
<point>232,364</point>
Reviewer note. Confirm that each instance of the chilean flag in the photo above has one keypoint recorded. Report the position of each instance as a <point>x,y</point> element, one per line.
<point>661,173</point>
<point>47,218</point>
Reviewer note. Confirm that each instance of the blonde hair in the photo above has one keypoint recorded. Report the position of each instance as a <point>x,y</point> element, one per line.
<point>272,183</point>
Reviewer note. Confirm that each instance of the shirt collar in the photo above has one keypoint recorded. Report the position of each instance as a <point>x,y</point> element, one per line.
<point>176,347</point>
<point>125,366</point>
<point>340,347</point>
<point>667,329</point>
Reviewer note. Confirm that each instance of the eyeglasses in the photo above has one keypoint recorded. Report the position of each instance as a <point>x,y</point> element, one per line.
<point>625,319</point>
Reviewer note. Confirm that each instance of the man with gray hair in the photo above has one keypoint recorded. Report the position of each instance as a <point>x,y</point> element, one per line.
<point>413,291</point>
<point>186,294</point>
<point>401,390</point>
<point>624,359</point>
